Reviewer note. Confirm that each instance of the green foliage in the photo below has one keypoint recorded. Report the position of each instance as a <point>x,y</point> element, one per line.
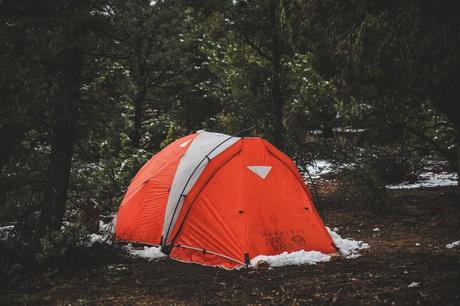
<point>173,133</point>
<point>61,243</point>
<point>102,184</point>
<point>393,165</point>
<point>361,188</point>
<point>313,101</point>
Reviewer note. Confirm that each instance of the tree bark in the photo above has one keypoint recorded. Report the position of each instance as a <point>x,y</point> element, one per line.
<point>63,133</point>
<point>278,103</point>
<point>138,116</point>
<point>458,157</point>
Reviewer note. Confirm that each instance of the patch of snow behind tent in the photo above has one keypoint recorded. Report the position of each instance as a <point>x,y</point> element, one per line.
<point>146,252</point>
<point>429,179</point>
<point>96,238</point>
<point>105,233</point>
<point>319,168</point>
<point>109,227</point>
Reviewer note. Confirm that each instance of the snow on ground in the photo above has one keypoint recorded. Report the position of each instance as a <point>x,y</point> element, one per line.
<point>119,267</point>
<point>348,249</point>
<point>431,163</point>
<point>295,258</point>
<point>319,168</point>
<point>108,227</point>
<point>429,179</point>
<point>414,284</point>
<point>146,252</point>
<point>97,238</point>
<point>348,130</point>
<point>5,231</point>
<point>105,233</point>
<point>453,245</point>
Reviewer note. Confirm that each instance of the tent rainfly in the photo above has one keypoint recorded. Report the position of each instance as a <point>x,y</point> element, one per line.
<point>220,200</point>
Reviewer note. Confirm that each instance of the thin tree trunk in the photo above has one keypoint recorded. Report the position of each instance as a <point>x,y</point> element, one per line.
<point>278,103</point>
<point>138,117</point>
<point>458,157</point>
<point>63,134</point>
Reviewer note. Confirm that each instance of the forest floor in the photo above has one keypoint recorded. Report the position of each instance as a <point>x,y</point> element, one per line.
<point>410,247</point>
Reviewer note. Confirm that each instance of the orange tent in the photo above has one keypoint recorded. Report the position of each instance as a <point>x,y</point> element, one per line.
<point>220,200</point>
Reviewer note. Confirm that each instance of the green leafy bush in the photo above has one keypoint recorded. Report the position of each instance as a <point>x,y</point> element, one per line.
<point>60,243</point>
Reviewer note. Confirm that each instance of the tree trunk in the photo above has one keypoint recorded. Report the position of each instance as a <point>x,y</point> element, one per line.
<point>138,116</point>
<point>278,103</point>
<point>458,157</point>
<point>63,133</point>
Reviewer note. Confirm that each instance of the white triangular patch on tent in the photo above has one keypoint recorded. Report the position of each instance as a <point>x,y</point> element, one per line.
<point>261,171</point>
<point>182,145</point>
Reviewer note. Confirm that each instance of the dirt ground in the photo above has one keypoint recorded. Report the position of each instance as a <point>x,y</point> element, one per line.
<point>410,247</point>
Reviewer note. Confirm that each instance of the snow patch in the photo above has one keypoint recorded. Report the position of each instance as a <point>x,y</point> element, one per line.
<point>6,232</point>
<point>413,285</point>
<point>376,229</point>
<point>348,247</point>
<point>119,267</point>
<point>427,180</point>
<point>96,238</point>
<point>146,252</point>
<point>105,233</point>
<point>348,130</point>
<point>109,227</point>
<point>319,168</point>
<point>295,258</point>
<point>455,244</point>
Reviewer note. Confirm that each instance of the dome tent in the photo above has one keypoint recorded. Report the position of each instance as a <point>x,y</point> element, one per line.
<point>221,200</point>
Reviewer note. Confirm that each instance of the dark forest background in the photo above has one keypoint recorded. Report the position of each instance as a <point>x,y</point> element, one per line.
<point>91,89</point>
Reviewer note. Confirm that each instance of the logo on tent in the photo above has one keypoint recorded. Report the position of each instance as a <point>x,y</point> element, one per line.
<point>261,171</point>
<point>185,143</point>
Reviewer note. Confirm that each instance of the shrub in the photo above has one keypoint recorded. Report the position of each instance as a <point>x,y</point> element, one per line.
<point>58,244</point>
